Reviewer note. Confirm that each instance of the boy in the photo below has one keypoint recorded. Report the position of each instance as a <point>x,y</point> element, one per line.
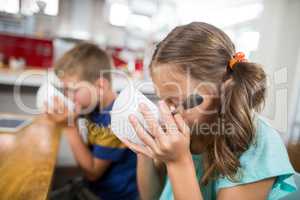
<point>109,167</point>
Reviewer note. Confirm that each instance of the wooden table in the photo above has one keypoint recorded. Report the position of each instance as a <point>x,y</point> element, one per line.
<point>27,161</point>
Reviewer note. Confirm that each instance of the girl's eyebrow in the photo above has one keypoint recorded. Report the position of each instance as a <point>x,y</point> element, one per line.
<point>168,97</point>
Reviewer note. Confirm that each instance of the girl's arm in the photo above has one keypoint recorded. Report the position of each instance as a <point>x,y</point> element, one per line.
<point>183,179</point>
<point>251,191</point>
<point>172,147</point>
<point>151,178</point>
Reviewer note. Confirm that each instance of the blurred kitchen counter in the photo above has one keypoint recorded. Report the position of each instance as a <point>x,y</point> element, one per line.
<point>29,77</point>
<point>27,160</point>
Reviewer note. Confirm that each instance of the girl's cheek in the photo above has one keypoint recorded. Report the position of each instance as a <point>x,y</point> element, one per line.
<point>190,118</point>
<point>195,115</point>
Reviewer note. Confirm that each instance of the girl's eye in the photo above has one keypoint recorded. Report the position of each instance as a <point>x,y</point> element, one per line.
<point>168,101</point>
<point>171,102</point>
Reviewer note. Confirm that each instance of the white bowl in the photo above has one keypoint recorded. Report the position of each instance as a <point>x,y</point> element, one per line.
<point>47,92</point>
<point>126,104</point>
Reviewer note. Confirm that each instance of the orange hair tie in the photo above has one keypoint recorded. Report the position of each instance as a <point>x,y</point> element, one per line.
<point>237,58</point>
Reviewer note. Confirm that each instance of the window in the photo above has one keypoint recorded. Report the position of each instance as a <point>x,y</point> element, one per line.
<point>30,7</point>
<point>9,6</point>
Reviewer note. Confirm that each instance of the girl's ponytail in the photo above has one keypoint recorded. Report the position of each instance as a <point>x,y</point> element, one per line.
<point>205,53</point>
<point>251,79</point>
<point>243,93</point>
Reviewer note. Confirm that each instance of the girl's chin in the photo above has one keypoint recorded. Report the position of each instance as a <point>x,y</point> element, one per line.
<point>196,149</point>
<point>199,142</point>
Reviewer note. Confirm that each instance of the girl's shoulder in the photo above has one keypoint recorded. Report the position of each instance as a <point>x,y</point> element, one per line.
<point>266,136</point>
<point>267,157</point>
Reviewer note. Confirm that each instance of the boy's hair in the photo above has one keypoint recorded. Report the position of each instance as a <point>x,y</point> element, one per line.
<point>86,60</point>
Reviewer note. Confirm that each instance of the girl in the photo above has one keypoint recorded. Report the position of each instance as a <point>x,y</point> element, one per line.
<point>219,149</point>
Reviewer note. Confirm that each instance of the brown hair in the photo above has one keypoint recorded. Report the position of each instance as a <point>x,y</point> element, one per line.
<point>204,51</point>
<point>86,60</point>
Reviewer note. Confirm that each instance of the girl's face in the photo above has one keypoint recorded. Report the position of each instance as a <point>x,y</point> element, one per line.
<point>175,86</point>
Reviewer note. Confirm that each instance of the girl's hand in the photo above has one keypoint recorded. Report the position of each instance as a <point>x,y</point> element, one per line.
<point>171,145</point>
<point>59,112</point>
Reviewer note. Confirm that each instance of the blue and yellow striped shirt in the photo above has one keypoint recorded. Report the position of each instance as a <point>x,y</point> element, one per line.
<point>119,181</point>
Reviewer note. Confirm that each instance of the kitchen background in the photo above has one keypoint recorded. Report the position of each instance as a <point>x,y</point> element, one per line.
<point>34,33</point>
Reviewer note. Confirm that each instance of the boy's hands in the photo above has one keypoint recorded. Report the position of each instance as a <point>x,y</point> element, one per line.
<point>59,112</point>
<point>171,145</point>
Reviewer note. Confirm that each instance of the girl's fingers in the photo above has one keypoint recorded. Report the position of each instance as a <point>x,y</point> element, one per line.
<point>182,126</point>
<point>167,118</point>
<point>138,148</point>
<point>142,133</point>
<point>152,123</point>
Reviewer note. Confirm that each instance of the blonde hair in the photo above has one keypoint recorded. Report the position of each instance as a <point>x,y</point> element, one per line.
<point>86,60</point>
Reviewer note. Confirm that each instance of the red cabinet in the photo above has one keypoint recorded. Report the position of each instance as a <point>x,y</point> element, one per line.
<point>35,51</point>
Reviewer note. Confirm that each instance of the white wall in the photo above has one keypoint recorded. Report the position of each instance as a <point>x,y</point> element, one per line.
<point>278,51</point>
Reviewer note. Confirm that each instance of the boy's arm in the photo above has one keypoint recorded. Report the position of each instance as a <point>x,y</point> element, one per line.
<point>92,167</point>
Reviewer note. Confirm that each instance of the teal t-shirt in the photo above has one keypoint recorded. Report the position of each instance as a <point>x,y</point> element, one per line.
<point>267,157</point>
